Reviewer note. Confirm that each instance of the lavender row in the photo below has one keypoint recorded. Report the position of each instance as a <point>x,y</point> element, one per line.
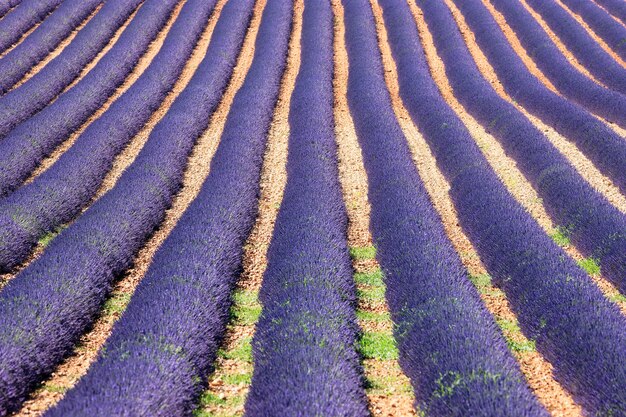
<point>613,33</point>
<point>615,7</point>
<point>27,144</point>
<point>15,64</point>
<point>573,325</point>
<point>24,17</point>
<point>48,305</point>
<point>558,69</point>
<point>22,102</point>
<point>449,345</point>
<point>160,352</point>
<point>595,139</point>
<point>59,193</point>
<point>7,5</point>
<point>304,345</point>
<point>596,227</point>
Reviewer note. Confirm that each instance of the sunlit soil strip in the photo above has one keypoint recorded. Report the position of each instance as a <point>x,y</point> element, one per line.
<point>515,43</point>
<point>142,64</point>
<point>230,382</point>
<point>388,390</point>
<point>58,49</point>
<point>536,369</point>
<point>593,34</point>
<point>515,180</point>
<point>198,166</point>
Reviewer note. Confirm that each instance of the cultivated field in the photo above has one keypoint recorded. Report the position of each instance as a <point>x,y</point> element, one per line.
<point>220,208</point>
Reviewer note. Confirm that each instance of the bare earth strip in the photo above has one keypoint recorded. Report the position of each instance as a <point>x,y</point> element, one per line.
<point>538,372</point>
<point>388,390</point>
<point>76,365</point>
<point>520,187</point>
<point>230,381</point>
<point>58,49</point>
<point>142,64</point>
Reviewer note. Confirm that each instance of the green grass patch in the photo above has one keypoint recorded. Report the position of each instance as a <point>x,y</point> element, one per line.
<point>116,304</point>
<point>372,316</point>
<point>618,298</point>
<point>590,266</point>
<point>246,308</point>
<point>242,352</point>
<point>374,345</point>
<point>481,281</point>
<point>209,399</point>
<point>374,279</point>
<point>371,293</point>
<point>48,237</point>
<point>561,236</point>
<point>236,379</point>
<point>526,346</point>
<point>55,388</point>
<point>508,325</point>
<point>363,252</point>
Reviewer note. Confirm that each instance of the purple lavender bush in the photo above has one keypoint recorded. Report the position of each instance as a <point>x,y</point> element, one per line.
<point>48,305</point>
<point>22,102</point>
<point>449,345</point>
<point>59,193</point>
<point>305,362</point>
<point>58,26</point>
<point>513,246</point>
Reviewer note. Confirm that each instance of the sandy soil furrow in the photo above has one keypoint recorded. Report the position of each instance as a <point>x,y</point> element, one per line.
<point>58,49</point>
<point>593,34</point>
<point>519,186</point>
<point>223,382</point>
<point>536,369</point>
<point>76,365</point>
<point>142,64</point>
<point>397,398</point>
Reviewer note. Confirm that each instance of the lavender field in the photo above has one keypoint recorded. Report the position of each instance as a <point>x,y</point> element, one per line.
<point>220,208</point>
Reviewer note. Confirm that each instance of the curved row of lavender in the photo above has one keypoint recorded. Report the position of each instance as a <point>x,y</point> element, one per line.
<point>25,16</point>
<point>305,361</point>
<point>59,193</point>
<point>22,102</point>
<point>575,38</point>
<point>450,347</point>
<point>615,7</point>
<point>613,33</point>
<point>60,24</point>
<point>7,5</point>
<point>595,226</point>
<point>573,324</point>
<point>605,148</point>
<point>552,62</point>
<point>31,141</point>
<point>162,349</point>
<point>48,305</point>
